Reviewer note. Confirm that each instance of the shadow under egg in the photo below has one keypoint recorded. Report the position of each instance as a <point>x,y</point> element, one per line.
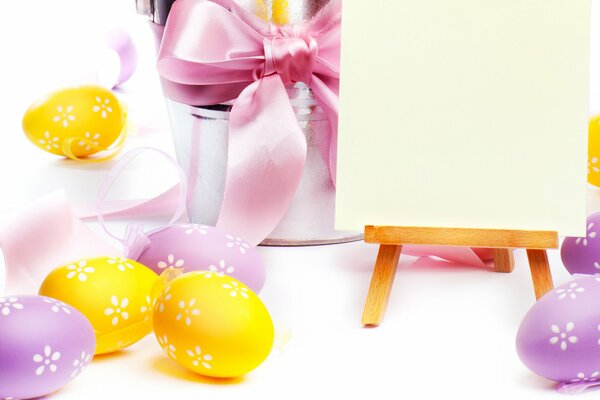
<point>169,367</point>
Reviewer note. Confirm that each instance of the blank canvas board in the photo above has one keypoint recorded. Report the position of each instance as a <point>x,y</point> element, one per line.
<point>464,113</point>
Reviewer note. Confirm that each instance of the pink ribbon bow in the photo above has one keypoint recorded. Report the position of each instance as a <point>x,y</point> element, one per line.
<point>215,51</point>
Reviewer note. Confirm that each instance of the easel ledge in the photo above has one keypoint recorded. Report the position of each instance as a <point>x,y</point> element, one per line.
<point>491,238</point>
<point>391,239</point>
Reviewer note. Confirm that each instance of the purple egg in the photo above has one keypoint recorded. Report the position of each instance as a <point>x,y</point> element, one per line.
<point>44,344</point>
<point>204,248</point>
<point>582,255</point>
<point>559,337</point>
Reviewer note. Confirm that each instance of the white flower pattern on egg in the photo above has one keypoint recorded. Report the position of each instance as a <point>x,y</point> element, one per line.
<point>221,269</point>
<point>80,269</point>
<point>146,308</point>
<point>80,364</point>
<point>237,242</point>
<point>118,310</point>
<point>167,347</point>
<point>191,228</point>
<point>209,274</point>
<point>171,263</point>
<point>58,306</point>
<point>593,165</point>
<point>47,359</point>
<point>590,235</point>
<point>166,296</point>
<point>581,377</point>
<point>64,115</point>
<point>199,358</point>
<point>8,304</point>
<point>563,337</point>
<point>90,141</point>
<point>122,263</point>
<point>103,107</point>
<point>570,292</point>
<point>236,289</point>
<point>187,311</point>
<point>49,142</point>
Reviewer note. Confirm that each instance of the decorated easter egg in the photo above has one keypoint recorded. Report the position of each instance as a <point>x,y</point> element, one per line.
<point>78,121</point>
<point>594,151</point>
<point>213,325</point>
<point>44,344</point>
<point>113,293</point>
<point>581,255</point>
<point>559,337</point>
<point>204,248</point>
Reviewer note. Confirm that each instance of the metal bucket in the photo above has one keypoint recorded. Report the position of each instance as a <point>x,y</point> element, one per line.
<point>205,130</point>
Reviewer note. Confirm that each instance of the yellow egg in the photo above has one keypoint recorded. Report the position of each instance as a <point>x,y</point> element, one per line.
<point>78,121</point>
<point>594,152</point>
<point>213,325</point>
<point>113,293</point>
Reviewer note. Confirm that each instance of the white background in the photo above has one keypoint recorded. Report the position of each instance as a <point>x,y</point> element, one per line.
<point>449,330</point>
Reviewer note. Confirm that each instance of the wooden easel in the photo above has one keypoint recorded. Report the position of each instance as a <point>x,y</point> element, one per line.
<point>391,239</point>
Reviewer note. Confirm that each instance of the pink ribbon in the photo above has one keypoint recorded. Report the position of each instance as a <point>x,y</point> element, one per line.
<point>39,236</point>
<point>136,240</point>
<point>215,51</point>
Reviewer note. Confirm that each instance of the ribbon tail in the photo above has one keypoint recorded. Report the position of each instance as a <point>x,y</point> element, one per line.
<point>328,99</point>
<point>101,154</point>
<point>135,241</point>
<point>266,155</point>
<point>575,387</point>
<point>455,254</point>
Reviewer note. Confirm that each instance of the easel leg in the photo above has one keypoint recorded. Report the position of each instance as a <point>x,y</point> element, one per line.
<point>540,272</point>
<point>381,284</point>
<point>504,260</point>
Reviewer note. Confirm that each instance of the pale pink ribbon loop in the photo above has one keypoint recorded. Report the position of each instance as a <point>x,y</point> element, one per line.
<point>136,240</point>
<point>215,51</point>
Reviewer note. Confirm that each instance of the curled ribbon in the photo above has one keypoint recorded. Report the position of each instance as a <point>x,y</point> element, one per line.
<point>101,154</point>
<point>136,239</point>
<point>215,51</point>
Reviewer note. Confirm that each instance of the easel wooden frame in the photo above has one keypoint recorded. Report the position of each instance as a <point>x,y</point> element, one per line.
<point>391,239</point>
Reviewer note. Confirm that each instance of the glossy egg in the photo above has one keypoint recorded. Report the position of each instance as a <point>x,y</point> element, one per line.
<point>44,344</point>
<point>213,325</point>
<point>582,255</point>
<point>594,151</point>
<point>204,248</point>
<point>80,121</point>
<point>559,338</point>
<point>113,293</point>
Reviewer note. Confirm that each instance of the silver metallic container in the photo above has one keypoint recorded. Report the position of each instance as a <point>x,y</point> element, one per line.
<point>310,218</point>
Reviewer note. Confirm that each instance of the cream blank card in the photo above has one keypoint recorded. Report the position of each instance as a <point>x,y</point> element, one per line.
<point>464,113</point>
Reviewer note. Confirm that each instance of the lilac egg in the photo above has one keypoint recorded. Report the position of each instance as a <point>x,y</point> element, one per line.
<point>582,255</point>
<point>559,337</point>
<point>204,248</point>
<point>44,344</point>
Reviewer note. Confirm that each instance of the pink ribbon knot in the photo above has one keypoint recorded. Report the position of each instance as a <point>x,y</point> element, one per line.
<point>292,58</point>
<point>214,51</point>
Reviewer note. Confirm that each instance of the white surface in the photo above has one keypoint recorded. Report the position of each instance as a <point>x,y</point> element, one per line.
<point>449,330</point>
<point>455,106</point>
